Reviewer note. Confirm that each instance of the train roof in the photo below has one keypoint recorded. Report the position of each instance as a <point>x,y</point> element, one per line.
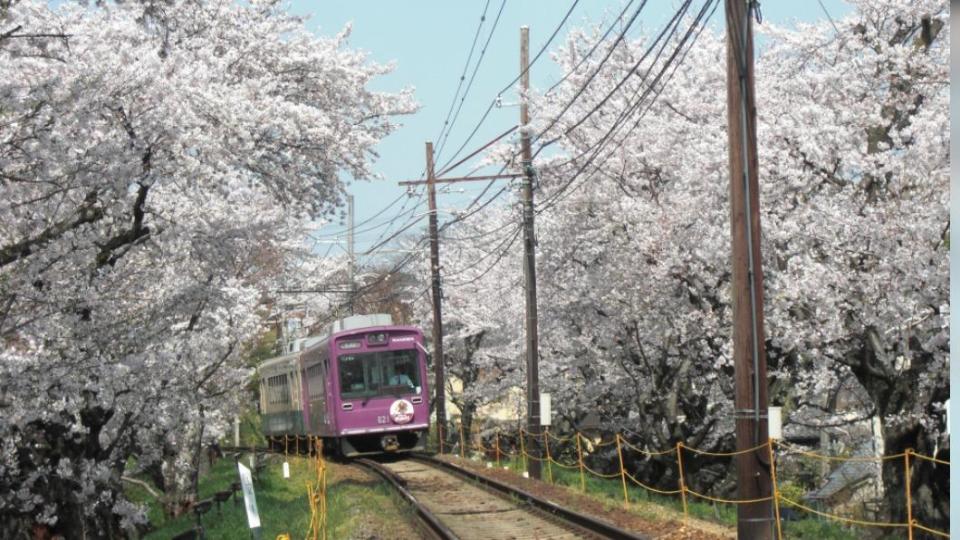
<point>346,325</point>
<point>360,321</point>
<point>349,325</point>
<point>278,362</point>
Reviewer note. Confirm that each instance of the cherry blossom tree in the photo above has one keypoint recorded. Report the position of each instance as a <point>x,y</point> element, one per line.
<point>633,237</point>
<point>152,172</point>
<point>856,154</point>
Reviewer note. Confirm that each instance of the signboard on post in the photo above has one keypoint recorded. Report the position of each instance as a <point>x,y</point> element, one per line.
<point>249,500</point>
<point>775,423</point>
<point>544,409</point>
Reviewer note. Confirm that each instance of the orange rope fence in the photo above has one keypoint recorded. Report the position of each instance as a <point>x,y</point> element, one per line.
<point>584,444</point>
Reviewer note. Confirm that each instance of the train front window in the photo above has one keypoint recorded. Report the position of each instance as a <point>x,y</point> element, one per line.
<point>380,373</point>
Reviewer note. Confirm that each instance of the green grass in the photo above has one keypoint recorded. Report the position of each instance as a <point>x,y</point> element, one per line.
<point>282,504</point>
<point>354,502</point>
<point>724,514</point>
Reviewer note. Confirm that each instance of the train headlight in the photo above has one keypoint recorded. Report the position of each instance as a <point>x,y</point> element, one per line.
<point>378,338</point>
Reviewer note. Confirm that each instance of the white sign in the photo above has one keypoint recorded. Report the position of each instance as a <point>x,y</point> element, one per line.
<point>774,423</point>
<point>286,470</point>
<point>249,500</point>
<point>544,409</point>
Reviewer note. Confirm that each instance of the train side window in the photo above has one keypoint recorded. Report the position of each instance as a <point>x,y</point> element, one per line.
<point>278,390</point>
<point>315,380</point>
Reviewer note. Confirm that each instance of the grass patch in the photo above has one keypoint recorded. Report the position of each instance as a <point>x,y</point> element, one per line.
<point>355,503</point>
<point>650,505</point>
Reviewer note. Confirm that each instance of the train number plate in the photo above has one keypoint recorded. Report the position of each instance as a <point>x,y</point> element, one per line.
<point>382,420</point>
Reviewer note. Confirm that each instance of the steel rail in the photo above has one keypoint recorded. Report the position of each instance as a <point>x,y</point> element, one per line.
<point>582,521</point>
<point>430,522</point>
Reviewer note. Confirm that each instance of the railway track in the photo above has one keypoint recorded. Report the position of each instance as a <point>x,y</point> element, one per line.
<point>452,502</point>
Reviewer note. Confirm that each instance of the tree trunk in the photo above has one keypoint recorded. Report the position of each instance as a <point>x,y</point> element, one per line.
<point>895,397</point>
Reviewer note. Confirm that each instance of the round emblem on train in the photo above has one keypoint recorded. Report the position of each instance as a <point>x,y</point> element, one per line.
<point>401,411</point>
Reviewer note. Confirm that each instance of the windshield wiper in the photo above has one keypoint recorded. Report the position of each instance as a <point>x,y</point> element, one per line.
<point>368,398</point>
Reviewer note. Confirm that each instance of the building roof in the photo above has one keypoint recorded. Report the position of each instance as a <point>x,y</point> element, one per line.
<point>848,474</point>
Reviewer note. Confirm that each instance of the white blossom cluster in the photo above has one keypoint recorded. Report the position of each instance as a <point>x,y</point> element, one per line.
<point>159,163</point>
<point>633,252</point>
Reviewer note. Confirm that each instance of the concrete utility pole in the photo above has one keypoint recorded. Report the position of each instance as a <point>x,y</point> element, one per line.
<point>352,263</point>
<point>439,390</point>
<point>529,262</point>
<point>754,521</point>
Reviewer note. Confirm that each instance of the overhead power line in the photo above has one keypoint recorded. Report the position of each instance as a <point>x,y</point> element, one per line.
<point>443,138</point>
<point>648,88</point>
<point>447,125</point>
<point>509,85</point>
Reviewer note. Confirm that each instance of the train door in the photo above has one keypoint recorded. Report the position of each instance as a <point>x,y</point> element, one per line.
<point>316,396</point>
<point>296,403</point>
<point>330,418</point>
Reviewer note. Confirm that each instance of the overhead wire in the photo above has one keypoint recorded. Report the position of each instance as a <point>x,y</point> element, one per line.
<point>597,147</point>
<point>443,140</point>
<point>356,230</point>
<point>501,253</point>
<point>592,49</point>
<point>364,222</point>
<point>509,85</point>
<point>447,125</point>
<point>610,28</point>
<point>671,27</point>
<point>592,76</point>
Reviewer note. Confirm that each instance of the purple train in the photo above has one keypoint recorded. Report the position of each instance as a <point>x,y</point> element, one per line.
<point>362,387</point>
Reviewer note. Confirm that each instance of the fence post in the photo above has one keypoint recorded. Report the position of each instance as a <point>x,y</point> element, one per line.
<point>906,484</point>
<point>583,483</point>
<point>496,446</point>
<point>462,453</point>
<point>776,494</point>
<point>623,473</point>
<point>683,484</point>
<point>523,451</point>
<point>546,446</point>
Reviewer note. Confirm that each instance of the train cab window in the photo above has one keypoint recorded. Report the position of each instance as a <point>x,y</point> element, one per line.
<point>352,380</point>
<point>401,370</point>
<point>381,373</point>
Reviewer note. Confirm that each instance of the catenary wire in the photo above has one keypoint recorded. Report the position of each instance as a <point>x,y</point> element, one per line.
<point>447,125</point>
<point>510,85</point>
<point>443,140</point>
<point>598,147</point>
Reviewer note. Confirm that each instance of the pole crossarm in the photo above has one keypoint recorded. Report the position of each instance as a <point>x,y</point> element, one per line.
<point>456,179</point>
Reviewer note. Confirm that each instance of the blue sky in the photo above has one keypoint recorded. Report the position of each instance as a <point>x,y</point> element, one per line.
<point>429,42</point>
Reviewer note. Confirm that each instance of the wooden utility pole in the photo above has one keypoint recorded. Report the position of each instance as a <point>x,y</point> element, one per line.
<point>439,390</point>
<point>529,266</point>
<point>755,520</point>
<point>529,263</point>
